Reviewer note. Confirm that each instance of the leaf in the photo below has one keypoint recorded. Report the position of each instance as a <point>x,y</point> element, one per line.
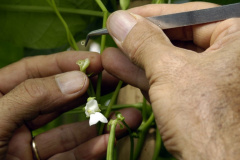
<point>41,29</point>
<point>9,53</point>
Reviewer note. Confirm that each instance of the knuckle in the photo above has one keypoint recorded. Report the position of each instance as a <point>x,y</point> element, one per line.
<point>234,24</point>
<point>67,138</point>
<point>34,88</point>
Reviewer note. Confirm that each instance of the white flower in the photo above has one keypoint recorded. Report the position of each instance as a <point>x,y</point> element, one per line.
<point>92,110</point>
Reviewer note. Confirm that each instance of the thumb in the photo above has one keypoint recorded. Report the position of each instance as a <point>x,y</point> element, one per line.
<point>39,96</point>
<point>143,42</point>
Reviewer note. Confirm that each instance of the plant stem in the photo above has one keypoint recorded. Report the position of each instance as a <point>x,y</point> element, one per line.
<point>158,1</point>
<point>101,5</point>
<point>103,43</point>
<point>144,110</point>
<point>104,108</point>
<point>131,139</point>
<point>42,9</point>
<point>71,40</point>
<point>111,140</point>
<point>157,145</point>
<point>109,108</point>
<point>143,129</point>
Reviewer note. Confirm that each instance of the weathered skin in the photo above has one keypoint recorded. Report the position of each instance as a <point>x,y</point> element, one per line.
<point>195,96</point>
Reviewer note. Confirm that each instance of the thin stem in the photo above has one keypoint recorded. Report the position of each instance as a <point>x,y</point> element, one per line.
<point>109,108</point>
<point>99,87</point>
<point>143,129</point>
<point>113,99</point>
<point>144,110</point>
<point>131,139</point>
<point>104,108</point>
<point>157,145</point>
<point>90,91</point>
<point>103,43</point>
<point>158,1</point>
<point>101,5</point>
<point>71,40</point>
<point>111,140</point>
<point>43,9</point>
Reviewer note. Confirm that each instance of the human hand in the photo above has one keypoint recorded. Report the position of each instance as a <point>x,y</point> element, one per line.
<point>195,96</point>
<point>36,90</point>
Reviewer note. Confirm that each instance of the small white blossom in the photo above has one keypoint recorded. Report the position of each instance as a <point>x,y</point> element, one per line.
<point>92,110</point>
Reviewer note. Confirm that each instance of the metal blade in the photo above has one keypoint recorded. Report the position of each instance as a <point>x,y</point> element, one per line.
<point>197,17</point>
<point>187,18</point>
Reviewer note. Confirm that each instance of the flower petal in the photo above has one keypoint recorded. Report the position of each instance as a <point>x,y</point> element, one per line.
<point>96,117</point>
<point>92,105</point>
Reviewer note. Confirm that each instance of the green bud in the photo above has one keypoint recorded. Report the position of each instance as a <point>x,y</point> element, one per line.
<point>124,4</point>
<point>90,98</point>
<point>83,64</point>
<point>119,116</point>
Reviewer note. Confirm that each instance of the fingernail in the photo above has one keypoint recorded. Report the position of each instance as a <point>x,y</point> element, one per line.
<point>120,24</point>
<point>70,82</point>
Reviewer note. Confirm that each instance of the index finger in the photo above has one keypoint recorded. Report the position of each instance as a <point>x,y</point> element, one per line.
<point>199,34</point>
<point>44,66</point>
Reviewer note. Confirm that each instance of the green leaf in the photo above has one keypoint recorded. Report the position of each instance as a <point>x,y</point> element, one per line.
<point>40,28</point>
<point>9,53</point>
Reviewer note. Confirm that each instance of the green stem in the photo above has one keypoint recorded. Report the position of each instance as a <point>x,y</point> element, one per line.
<point>157,145</point>
<point>103,43</point>
<point>109,108</point>
<point>113,99</point>
<point>99,87</point>
<point>101,5</point>
<point>43,9</point>
<point>70,38</point>
<point>131,139</point>
<point>90,90</point>
<point>104,108</point>
<point>111,140</point>
<point>144,110</point>
<point>143,129</point>
<point>158,1</point>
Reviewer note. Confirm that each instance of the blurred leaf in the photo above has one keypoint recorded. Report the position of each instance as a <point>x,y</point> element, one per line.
<point>41,30</point>
<point>9,53</point>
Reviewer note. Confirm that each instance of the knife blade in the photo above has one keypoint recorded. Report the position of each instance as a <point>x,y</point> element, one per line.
<point>186,18</point>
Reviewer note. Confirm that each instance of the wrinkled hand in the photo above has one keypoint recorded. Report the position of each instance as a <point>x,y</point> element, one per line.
<point>195,96</point>
<point>36,90</point>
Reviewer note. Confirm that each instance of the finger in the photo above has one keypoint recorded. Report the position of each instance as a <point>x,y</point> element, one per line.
<point>95,148</point>
<point>108,84</point>
<point>35,97</point>
<point>146,45</point>
<point>43,66</point>
<point>18,147</point>
<point>67,137</point>
<point>64,138</point>
<point>123,68</point>
<point>41,120</point>
<point>200,34</point>
<point>225,33</point>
